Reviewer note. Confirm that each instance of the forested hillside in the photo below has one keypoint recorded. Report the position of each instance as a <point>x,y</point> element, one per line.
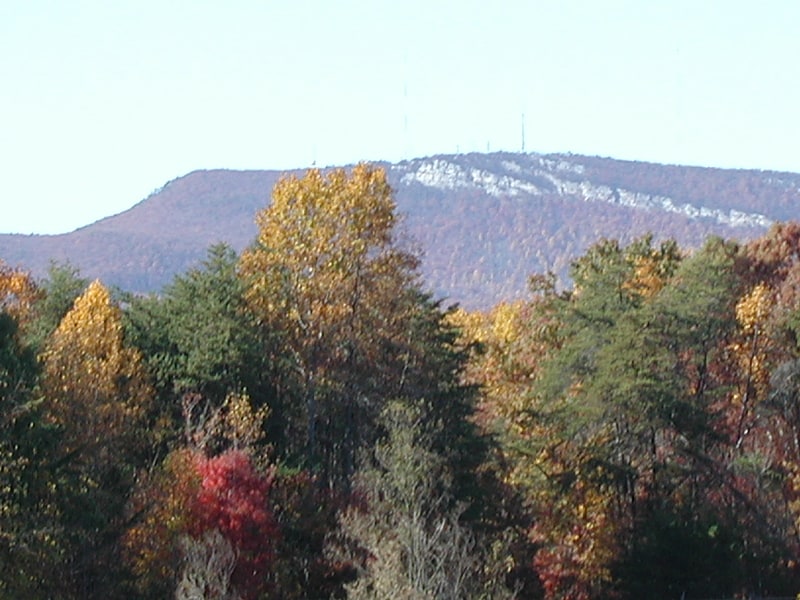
<point>483,222</point>
<point>302,419</point>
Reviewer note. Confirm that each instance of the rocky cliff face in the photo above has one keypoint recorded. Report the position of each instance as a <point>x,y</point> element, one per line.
<point>537,175</point>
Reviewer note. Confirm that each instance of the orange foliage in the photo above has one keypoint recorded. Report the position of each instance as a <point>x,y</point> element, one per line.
<point>160,509</point>
<point>18,292</point>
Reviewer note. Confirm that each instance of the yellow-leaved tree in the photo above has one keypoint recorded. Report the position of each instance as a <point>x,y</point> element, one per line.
<point>96,394</point>
<point>95,386</point>
<point>325,248</point>
<point>751,350</point>
<point>328,278</point>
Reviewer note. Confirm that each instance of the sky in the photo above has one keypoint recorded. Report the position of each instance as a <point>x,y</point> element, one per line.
<point>103,102</point>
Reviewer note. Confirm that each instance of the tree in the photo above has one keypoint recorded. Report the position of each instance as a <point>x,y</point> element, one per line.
<point>762,417</point>
<point>95,385</point>
<point>233,499</point>
<point>198,336</point>
<point>198,520</point>
<point>159,511</point>
<point>408,523</point>
<point>201,520</point>
<point>31,549</point>
<point>199,341</point>
<point>618,431</point>
<point>59,290</point>
<point>208,567</point>
<point>307,514</point>
<point>196,513</point>
<point>327,277</point>
<point>96,393</point>
<point>670,363</point>
<point>18,293</point>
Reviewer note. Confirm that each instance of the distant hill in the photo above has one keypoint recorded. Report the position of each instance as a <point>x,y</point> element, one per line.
<point>484,222</point>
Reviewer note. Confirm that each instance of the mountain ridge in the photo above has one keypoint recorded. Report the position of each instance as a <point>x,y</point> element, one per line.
<point>485,222</point>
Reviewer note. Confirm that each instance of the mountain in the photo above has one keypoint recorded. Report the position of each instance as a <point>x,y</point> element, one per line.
<point>484,222</point>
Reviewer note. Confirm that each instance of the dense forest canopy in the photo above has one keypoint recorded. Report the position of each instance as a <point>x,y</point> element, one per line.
<point>303,420</point>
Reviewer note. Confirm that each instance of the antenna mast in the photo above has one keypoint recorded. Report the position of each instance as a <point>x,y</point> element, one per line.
<point>522,130</point>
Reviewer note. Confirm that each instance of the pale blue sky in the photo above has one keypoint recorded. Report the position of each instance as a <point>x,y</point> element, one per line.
<point>104,100</point>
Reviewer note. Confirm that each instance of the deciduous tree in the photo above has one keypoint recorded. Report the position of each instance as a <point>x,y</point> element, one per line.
<point>329,278</point>
<point>96,393</point>
<point>408,524</point>
<point>94,383</point>
<point>18,293</point>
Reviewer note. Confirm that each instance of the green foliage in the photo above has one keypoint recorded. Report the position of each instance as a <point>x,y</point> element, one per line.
<point>30,534</point>
<point>60,288</point>
<point>199,338</point>
<point>634,414</point>
<point>307,515</point>
<point>197,335</point>
<point>17,364</point>
<point>635,436</point>
<point>409,526</point>
<point>678,552</point>
<point>329,279</point>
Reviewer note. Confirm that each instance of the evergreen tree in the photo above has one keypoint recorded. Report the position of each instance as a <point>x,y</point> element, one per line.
<point>60,288</point>
<point>200,342</point>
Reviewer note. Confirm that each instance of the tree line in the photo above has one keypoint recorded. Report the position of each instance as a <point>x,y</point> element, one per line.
<point>303,420</point>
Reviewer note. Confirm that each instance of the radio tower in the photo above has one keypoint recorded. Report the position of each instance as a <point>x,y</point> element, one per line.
<point>522,129</point>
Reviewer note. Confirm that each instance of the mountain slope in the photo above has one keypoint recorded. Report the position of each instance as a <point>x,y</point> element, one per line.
<point>485,222</point>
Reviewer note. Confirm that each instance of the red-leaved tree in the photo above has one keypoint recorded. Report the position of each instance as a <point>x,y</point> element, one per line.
<point>233,499</point>
<point>206,524</point>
